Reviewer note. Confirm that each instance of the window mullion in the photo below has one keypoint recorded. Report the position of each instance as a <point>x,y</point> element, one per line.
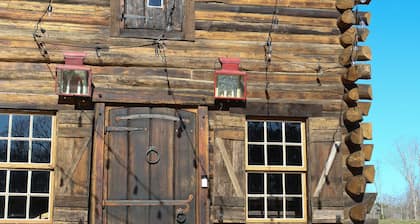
<point>283,176</point>
<point>265,196</point>
<point>9,136</point>
<point>28,193</point>
<point>6,196</point>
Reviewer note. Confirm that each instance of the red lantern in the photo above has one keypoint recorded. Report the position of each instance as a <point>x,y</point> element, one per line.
<point>73,78</point>
<point>229,82</point>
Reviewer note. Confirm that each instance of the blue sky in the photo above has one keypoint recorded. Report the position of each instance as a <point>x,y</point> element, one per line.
<point>394,40</point>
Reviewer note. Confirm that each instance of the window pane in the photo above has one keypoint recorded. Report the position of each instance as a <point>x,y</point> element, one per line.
<point>255,131</point>
<point>275,207</point>
<point>255,207</point>
<point>255,183</point>
<point>293,132</point>
<point>274,184</point>
<point>275,155</point>
<point>19,151</point>
<point>3,150</point>
<point>40,182</point>
<point>41,127</point>
<point>155,3</point>
<point>38,208</point>
<point>2,206</point>
<point>293,156</point>
<point>17,207</point>
<point>293,184</point>
<point>3,180</point>
<point>4,125</point>
<point>294,208</point>
<point>274,131</point>
<point>41,152</point>
<point>255,155</point>
<point>20,127</point>
<point>18,181</point>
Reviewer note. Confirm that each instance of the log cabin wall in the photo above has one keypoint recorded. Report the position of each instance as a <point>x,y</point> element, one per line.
<point>303,81</point>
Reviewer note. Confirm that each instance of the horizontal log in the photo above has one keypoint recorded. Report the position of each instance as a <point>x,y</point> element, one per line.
<point>364,107</point>
<point>356,186</point>
<point>210,15</point>
<point>279,109</point>
<point>136,58</point>
<point>349,4</point>
<point>355,137</point>
<point>369,173</point>
<point>349,18</point>
<point>355,53</point>
<point>351,96</point>
<point>327,4</point>
<point>367,130</point>
<point>358,213</point>
<point>43,102</point>
<point>365,92</point>
<point>346,20</point>
<point>353,35</point>
<point>255,36</point>
<point>352,115</point>
<point>259,27</point>
<point>367,151</point>
<point>356,159</point>
<point>356,72</point>
<point>154,96</point>
<point>262,9</point>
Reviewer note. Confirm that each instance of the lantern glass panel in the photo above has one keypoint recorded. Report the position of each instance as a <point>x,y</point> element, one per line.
<point>73,82</point>
<point>231,86</point>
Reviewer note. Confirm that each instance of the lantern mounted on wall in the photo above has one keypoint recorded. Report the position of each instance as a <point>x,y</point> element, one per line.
<point>229,82</point>
<point>73,78</point>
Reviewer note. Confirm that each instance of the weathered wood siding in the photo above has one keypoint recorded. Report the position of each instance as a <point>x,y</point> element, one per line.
<point>72,171</point>
<point>304,65</point>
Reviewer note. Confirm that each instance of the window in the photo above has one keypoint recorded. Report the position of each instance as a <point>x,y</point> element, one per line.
<point>25,166</point>
<point>276,171</point>
<point>155,19</point>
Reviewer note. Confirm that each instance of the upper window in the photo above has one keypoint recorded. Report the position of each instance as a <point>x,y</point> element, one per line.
<point>172,19</point>
<point>276,171</point>
<point>25,166</point>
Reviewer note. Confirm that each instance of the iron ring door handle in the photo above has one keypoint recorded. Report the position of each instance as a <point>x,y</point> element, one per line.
<point>149,158</point>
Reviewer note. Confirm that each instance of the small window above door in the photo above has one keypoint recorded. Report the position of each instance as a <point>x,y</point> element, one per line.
<point>153,19</point>
<point>155,3</point>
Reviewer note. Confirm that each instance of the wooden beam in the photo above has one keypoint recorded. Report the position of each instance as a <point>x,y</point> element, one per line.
<point>349,4</point>
<point>203,152</point>
<point>356,159</point>
<point>351,96</point>
<point>366,130</point>
<point>355,53</point>
<point>367,150</point>
<point>352,35</point>
<point>352,115</point>
<point>364,107</point>
<point>359,211</point>
<point>346,20</point>
<point>97,177</point>
<point>369,173</point>
<point>356,185</point>
<point>355,137</point>
<point>365,91</point>
<point>356,72</point>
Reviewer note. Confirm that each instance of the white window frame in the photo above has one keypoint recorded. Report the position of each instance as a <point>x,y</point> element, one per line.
<point>278,169</point>
<point>152,6</point>
<point>29,167</point>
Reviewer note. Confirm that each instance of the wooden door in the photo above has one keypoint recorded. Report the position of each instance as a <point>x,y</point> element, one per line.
<point>150,167</point>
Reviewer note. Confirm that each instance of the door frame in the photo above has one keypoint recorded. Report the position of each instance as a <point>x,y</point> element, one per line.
<point>96,210</point>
